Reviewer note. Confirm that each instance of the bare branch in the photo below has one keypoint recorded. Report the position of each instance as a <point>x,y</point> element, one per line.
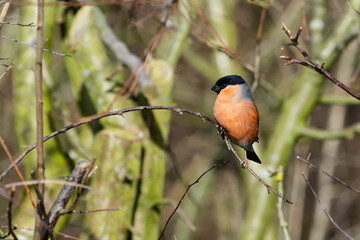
<point>79,190</point>
<point>324,209</point>
<point>17,171</point>
<point>64,196</point>
<point>328,174</point>
<point>93,211</point>
<point>311,63</point>
<point>183,196</point>
<point>11,231</point>
<point>102,115</point>
<point>356,11</point>
<point>19,24</point>
<point>47,181</point>
<point>7,69</point>
<point>141,108</point>
<point>244,165</point>
<point>34,46</point>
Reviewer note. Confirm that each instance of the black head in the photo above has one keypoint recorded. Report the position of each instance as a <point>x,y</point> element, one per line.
<point>226,81</point>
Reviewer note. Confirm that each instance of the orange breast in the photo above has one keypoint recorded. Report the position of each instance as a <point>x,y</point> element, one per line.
<point>239,118</point>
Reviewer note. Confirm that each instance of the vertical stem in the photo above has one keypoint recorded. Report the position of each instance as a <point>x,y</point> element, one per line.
<point>39,111</point>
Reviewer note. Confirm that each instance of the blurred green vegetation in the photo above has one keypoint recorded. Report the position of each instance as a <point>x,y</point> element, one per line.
<point>145,160</point>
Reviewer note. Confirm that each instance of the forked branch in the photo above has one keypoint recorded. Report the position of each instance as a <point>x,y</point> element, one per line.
<point>311,63</point>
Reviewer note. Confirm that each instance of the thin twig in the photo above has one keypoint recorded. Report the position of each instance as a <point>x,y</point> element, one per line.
<point>183,196</point>
<point>19,24</point>
<point>311,63</point>
<point>11,231</point>
<point>328,174</point>
<point>180,111</point>
<point>138,70</point>
<point>324,209</point>
<point>34,46</point>
<point>93,211</point>
<point>47,181</point>
<point>102,115</point>
<point>356,11</point>
<point>223,47</point>
<point>7,69</point>
<point>17,171</point>
<point>178,173</point>
<point>244,165</point>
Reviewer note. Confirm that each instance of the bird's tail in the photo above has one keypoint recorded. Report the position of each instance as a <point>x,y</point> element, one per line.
<point>251,155</point>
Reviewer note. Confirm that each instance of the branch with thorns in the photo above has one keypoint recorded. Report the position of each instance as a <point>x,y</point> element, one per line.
<point>310,62</point>
<point>151,108</point>
<point>142,108</point>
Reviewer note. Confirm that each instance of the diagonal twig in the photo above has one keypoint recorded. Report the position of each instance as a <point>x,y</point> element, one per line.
<point>77,176</point>
<point>328,174</point>
<point>34,46</point>
<point>244,165</point>
<point>324,209</point>
<point>14,164</point>
<point>180,111</point>
<point>183,196</point>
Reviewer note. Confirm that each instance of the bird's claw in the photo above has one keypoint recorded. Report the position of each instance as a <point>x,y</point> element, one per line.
<point>221,132</point>
<point>244,164</point>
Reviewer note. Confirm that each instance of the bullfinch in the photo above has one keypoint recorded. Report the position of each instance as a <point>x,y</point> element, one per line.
<point>236,112</point>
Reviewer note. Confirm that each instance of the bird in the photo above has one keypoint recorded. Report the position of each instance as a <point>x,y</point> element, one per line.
<point>235,111</point>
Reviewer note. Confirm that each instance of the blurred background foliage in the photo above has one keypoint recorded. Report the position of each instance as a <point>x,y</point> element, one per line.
<point>146,159</point>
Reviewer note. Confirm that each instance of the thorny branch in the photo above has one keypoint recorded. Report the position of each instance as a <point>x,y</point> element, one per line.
<point>324,209</point>
<point>311,63</point>
<point>140,108</point>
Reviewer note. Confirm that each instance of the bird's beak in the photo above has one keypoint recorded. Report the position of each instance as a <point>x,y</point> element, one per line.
<point>215,88</point>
